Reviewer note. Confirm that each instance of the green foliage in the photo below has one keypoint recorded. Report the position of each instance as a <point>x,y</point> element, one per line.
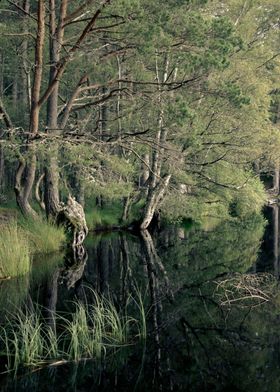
<point>250,199</point>
<point>228,199</point>
<point>234,94</point>
<point>105,217</point>
<point>217,63</point>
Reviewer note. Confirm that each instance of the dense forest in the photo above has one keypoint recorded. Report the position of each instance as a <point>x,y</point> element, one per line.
<point>139,146</point>
<point>169,111</point>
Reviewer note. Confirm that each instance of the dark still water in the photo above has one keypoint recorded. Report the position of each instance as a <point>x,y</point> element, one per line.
<point>210,296</point>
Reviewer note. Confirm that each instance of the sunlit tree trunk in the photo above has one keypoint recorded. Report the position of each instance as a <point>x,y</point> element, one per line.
<point>157,185</point>
<point>276,178</point>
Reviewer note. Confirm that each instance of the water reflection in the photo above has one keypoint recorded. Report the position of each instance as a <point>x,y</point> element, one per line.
<point>195,343</point>
<point>269,256</point>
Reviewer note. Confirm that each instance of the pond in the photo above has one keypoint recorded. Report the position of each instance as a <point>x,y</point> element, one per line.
<point>208,296</point>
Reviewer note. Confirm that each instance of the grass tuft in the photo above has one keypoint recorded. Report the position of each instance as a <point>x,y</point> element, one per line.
<point>18,241</point>
<point>43,237</point>
<point>89,333</point>
<point>14,251</point>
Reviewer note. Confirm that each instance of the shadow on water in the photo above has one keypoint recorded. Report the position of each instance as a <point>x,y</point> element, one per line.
<point>212,309</point>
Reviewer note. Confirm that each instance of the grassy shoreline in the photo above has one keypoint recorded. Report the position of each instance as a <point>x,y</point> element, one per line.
<point>21,239</point>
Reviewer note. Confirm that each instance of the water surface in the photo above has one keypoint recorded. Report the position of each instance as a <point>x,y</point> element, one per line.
<point>211,299</point>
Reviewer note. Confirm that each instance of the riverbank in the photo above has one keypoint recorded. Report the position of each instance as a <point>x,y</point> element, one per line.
<point>20,239</point>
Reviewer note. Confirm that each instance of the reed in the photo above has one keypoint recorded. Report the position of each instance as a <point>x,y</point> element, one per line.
<point>89,333</point>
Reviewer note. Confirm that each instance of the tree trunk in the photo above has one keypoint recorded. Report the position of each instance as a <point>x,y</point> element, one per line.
<point>276,239</point>
<point>2,167</point>
<point>145,171</point>
<point>81,194</point>
<point>1,74</point>
<point>276,178</point>
<point>25,175</point>
<point>157,185</point>
<point>25,92</point>
<point>38,196</point>
<point>56,34</point>
<point>154,198</point>
<point>51,192</point>
<point>23,192</point>
<point>15,93</point>
<point>126,209</point>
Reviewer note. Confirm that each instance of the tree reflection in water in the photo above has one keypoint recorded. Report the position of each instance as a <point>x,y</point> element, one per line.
<point>197,340</point>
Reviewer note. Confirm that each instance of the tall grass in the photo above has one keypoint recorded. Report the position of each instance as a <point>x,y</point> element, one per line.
<point>43,237</point>
<point>89,333</point>
<point>18,241</point>
<point>14,251</point>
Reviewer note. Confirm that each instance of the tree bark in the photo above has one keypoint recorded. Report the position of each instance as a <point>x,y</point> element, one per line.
<point>25,175</point>
<point>157,185</point>
<point>56,34</point>
<point>25,92</point>
<point>38,197</point>
<point>2,167</point>
<point>145,171</point>
<point>275,215</point>
<point>154,198</point>
<point>126,208</point>
<point>276,178</point>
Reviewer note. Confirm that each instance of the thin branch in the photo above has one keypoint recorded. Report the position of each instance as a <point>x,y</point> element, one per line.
<point>70,103</point>
<point>22,10</point>
<point>64,61</point>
